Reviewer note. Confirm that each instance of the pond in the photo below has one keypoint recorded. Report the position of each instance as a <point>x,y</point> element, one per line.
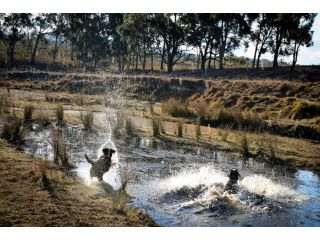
<point>182,185</point>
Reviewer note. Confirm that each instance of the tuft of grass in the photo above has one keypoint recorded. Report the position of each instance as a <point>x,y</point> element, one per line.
<point>198,128</point>
<point>302,110</point>
<point>243,144</point>
<point>13,131</point>
<point>3,103</point>
<point>176,108</point>
<point>201,109</point>
<point>268,146</point>
<point>60,154</point>
<point>224,133</point>
<point>129,127</point>
<point>180,127</point>
<point>59,114</point>
<point>162,127</point>
<point>79,99</point>
<point>27,113</point>
<point>151,109</point>
<point>120,198</point>
<point>43,120</point>
<point>87,120</point>
<point>156,127</point>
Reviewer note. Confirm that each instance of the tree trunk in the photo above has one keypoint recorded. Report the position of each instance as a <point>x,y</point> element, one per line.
<point>55,49</point>
<point>151,61</point>
<point>276,51</point>
<point>170,63</point>
<point>255,55</point>
<point>162,60</point>
<point>34,52</point>
<point>11,52</point>
<point>221,57</point>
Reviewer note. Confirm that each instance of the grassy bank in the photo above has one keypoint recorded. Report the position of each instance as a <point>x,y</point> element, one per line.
<point>35,192</point>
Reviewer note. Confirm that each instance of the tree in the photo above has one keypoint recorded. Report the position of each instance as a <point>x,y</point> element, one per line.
<point>231,28</point>
<point>57,23</point>
<point>119,47</point>
<point>169,27</point>
<point>14,26</point>
<point>201,30</point>
<point>40,25</point>
<point>300,34</point>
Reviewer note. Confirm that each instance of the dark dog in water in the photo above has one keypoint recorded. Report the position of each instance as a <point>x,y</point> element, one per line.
<point>232,186</point>
<point>102,165</point>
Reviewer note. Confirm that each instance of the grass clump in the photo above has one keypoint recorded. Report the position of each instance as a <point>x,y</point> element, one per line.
<point>79,99</point>
<point>156,127</point>
<point>302,110</point>
<point>179,128</point>
<point>224,133</point>
<point>60,154</point>
<point>87,120</point>
<point>60,114</point>
<point>176,108</point>
<point>243,144</point>
<point>13,131</point>
<point>129,127</point>
<point>3,103</point>
<point>198,129</point>
<point>27,113</point>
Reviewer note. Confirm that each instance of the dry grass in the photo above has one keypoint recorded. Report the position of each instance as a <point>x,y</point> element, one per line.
<point>27,113</point>
<point>129,128</point>
<point>65,201</point>
<point>198,128</point>
<point>175,108</point>
<point>87,120</point>
<point>60,154</point>
<point>180,127</point>
<point>59,114</point>
<point>156,127</point>
<point>13,130</point>
<point>243,144</point>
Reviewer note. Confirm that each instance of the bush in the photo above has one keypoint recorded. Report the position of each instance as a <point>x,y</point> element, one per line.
<point>60,154</point>
<point>155,127</point>
<point>175,108</point>
<point>180,127</point>
<point>87,120</point>
<point>13,131</point>
<point>27,113</point>
<point>59,113</point>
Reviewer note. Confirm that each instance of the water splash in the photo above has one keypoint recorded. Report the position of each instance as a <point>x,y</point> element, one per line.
<point>113,176</point>
<point>263,186</point>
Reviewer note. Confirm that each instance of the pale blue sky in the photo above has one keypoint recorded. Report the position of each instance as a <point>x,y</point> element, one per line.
<point>307,56</point>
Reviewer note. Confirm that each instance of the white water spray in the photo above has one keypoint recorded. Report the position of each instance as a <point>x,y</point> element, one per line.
<point>113,176</point>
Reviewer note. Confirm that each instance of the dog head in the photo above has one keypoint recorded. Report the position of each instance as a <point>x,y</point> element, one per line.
<point>234,175</point>
<point>108,151</point>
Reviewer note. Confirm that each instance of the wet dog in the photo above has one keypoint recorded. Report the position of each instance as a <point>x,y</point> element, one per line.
<point>102,165</point>
<point>232,186</point>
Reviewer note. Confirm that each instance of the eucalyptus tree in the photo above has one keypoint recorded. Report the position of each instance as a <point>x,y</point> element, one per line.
<point>119,47</point>
<point>40,26</point>
<point>58,25</point>
<point>300,34</point>
<point>14,25</point>
<point>232,27</point>
<point>170,29</point>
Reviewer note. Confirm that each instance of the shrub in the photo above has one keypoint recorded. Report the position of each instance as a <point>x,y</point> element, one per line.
<point>27,113</point>
<point>180,128</point>
<point>87,120</point>
<point>155,127</point>
<point>60,154</point>
<point>13,131</point>
<point>175,108</point>
<point>59,113</point>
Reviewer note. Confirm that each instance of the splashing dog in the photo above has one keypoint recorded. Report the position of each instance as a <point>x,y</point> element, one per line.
<point>232,186</point>
<point>102,164</point>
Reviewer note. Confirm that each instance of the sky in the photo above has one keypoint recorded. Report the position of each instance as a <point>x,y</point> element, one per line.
<point>307,56</point>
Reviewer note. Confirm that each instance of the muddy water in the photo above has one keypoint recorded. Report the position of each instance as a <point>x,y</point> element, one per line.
<point>183,185</point>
